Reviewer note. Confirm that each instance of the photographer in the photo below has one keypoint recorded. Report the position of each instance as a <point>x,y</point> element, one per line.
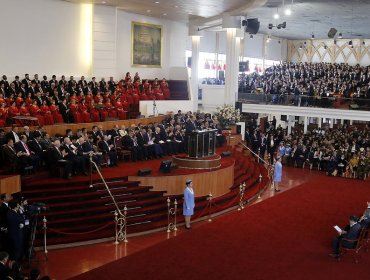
<point>16,223</point>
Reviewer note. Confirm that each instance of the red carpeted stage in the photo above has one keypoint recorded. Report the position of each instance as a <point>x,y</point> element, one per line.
<point>285,237</point>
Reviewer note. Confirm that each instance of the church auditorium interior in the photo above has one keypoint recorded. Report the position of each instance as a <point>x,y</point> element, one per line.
<point>184,139</point>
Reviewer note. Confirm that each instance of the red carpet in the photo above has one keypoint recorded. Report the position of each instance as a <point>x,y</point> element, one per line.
<point>286,237</point>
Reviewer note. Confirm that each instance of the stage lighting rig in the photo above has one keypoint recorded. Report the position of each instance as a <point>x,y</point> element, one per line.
<point>279,26</point>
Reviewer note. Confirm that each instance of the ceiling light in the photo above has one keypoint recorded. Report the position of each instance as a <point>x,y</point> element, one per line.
<point>165,14</point>
<point>157,2</point>
<point>148,11</point>
<point>340,36</point>
<point>364,43</point>
<point>288,12</point>
<point>313,36</point>
<point>103,2</point>
<point>350,43</point>
<point>300,47</point>
<point>325,47</point>
<point>276,16</point>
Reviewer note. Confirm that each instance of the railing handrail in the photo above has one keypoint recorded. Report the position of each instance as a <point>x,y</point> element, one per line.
<point>240,141</point>
<point>106,186</point>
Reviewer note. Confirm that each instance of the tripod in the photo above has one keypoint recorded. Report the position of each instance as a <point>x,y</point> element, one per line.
<point>155,109</point>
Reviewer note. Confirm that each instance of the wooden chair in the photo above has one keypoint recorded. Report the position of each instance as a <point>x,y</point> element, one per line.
<point>121,151</point>
<point>358,244</point>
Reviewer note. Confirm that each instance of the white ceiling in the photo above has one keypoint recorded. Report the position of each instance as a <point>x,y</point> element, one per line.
<point>350,17</point>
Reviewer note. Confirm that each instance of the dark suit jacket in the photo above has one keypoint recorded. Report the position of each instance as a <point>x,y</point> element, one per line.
<point>190,126</point>
<point>10,155</point>
<point>35,147</point>
<point>10,135</point>
<point>352,234</point>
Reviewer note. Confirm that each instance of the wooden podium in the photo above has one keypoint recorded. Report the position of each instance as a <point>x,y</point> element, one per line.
<point>202,143</point>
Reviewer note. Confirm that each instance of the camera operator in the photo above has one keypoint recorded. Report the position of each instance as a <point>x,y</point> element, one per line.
<point>15,225</point>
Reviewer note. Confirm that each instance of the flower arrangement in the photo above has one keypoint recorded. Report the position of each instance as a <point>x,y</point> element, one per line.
<point>227,115</point>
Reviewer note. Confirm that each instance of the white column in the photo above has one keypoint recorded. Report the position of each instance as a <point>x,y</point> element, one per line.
<point>350,122</point>
<point>305,125</point>
<point>232,66</point>
<point>195,40</point>
<point>331,125</point>
<point>342,121</point>
<point>319,120</point>
<point>289,125</point>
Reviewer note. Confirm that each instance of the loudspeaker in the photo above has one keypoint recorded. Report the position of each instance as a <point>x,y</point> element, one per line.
<point>165,166</point>
<point>332,32</point>
<point>252,25</point>
<point>284,118</point>
<point>226,154</point>
<point>144,171</point>
<point>239,105</point>
<point>244,66</point>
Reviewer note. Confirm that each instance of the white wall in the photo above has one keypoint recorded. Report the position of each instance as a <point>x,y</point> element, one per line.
<point>253,47</point>
<point>173,45</point>
<point>42,36</point>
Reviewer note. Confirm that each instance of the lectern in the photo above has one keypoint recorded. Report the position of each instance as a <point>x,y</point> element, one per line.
<point>202,143</point>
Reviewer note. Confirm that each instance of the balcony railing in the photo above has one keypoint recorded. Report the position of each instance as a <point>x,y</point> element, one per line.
<point>332,101</point>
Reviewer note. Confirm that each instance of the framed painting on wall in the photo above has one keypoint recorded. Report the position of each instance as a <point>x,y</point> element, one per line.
<point>146,45</point>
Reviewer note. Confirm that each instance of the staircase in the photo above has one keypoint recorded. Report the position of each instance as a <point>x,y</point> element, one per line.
<point>78,213</point>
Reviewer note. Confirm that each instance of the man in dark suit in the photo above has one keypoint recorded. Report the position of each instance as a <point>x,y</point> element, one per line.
<point>347,237</point>
<point>109,150</point>
<point>36,147</point>
<point>130,143</point>
<point>5,82</point>
<point>13,134</point>
<point>4,269</point>
<point>11,156</point>
<point>27,156</point>
<point>56,157</point>
<point>78,162</point>
<point>190,125</point>
<point>15,222</point>
<point>26,81</point>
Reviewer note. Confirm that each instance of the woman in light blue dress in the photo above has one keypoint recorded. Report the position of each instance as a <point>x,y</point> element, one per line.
<point>188,207</point>
<point>278,171</point>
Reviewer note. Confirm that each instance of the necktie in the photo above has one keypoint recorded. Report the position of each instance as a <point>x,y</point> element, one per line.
<point>26,148</point>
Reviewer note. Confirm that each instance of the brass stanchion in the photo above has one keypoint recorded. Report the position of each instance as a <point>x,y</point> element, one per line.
<point>171,211</point>
<point>121,226</point>
<point>210,207</point>
<point>45,228</point>
<point>91,171</point>
<point>260,180</point>
<point>241,193</point>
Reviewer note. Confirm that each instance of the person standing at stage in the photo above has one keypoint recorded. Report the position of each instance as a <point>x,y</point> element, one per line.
<point>188,206</point>
<point>278,171</point>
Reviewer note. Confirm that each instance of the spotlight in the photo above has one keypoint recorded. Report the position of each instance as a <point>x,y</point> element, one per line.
<point>278,26</point>
<point>283,25</point>
<point>340,36</point>
<point>270,26</point>
<point>288,12</point>
<point>364,43</point>
<point>350,43</point>
<point>325,47</point>
<point>305,43</point>
<point>251,37</point>
<point>313,36</point>
<point>300,47</point>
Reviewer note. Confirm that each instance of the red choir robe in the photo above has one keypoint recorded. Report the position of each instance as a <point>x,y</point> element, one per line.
<point>58,118</point>
<point>46,113</point>
<point>120,111</point>
<point>94,112</point>
<point>112,113</point>
<point>165,89</point>
<point>85,115</point>
<point>103,112</point>
<point>36,112</point>
<point>76,114</point>
<point>3,116</point>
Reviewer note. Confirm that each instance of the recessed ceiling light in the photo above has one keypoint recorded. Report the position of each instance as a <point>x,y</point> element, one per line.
<point>288,12</point>
<point>276,16</point>
<point>165,14</point>
<point>148,11</point>
<point>176,6</point>
<point>103,2</point>
<point>157,2</point>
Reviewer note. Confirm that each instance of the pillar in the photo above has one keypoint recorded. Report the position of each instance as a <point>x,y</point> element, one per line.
<point>350,122</point>
<point>305,125</point>
<point>289,125</point>
<point>342,121</point>
<point>195,43</point>
<point>319,122</point>
<point>331,125</point>
<point>232,66</point>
